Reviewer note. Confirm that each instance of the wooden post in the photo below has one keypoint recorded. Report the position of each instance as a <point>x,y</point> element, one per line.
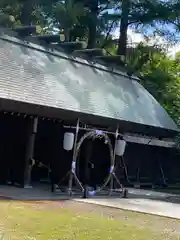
<point>114,159</point>
<point>30,152</point>
<point>74,154</point>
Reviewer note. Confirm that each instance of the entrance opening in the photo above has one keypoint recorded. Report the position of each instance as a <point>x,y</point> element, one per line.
<point>95,156</point>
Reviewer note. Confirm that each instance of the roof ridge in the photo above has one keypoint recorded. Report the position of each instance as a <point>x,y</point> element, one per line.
<point>58,51</point>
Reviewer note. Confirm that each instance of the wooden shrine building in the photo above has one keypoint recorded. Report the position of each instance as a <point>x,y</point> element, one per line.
<point>44,87</point>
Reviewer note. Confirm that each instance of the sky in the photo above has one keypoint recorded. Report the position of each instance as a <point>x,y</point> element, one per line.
<point>136,38</point>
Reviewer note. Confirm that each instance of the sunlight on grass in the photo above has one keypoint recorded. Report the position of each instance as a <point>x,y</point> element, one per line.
<point>20,220</point>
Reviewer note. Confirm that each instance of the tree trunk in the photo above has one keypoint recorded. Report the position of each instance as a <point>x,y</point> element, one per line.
<point>93,24</point>
<point>66,28</point>
<point>67,34</point>
<point>26,12</point>
<point>122,43</point>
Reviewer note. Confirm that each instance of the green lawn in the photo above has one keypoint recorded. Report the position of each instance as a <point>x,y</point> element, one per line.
<point>55,221</point>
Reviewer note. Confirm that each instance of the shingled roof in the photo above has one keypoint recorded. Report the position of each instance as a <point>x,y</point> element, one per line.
<point>30,73</point>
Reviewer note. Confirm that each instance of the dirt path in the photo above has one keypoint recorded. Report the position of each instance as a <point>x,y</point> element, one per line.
<point>154,223</point>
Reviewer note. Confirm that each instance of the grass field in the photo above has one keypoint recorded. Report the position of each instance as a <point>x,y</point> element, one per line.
<point>72,220</point>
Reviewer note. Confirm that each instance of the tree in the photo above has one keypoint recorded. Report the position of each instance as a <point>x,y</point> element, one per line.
<point>95,20</point>
<point>160,76</point>
<point>26,12</point>
<point>65,16</point>
<point>143,12</point>
<point>125,10</point>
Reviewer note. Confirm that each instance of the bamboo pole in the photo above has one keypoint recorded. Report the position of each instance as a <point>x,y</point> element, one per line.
<point>73,167</point>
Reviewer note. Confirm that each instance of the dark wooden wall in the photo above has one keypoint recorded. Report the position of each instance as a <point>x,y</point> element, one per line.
<point>149,158</point>
<point>49,148</point>
<point>13,139</point>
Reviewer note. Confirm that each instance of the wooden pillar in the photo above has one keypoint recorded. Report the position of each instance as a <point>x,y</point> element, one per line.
<point>32,130</point>
<point>154,166</point>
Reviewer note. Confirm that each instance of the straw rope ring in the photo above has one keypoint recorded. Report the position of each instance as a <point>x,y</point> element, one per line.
<point>97,134</point>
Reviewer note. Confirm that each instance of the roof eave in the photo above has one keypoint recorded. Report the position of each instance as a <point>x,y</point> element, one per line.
<point>95,120</point>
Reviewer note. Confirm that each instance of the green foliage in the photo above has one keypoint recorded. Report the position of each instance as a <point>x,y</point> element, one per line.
<point>6,20</point>
<point>66,15</point>
<point>160,75</point>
